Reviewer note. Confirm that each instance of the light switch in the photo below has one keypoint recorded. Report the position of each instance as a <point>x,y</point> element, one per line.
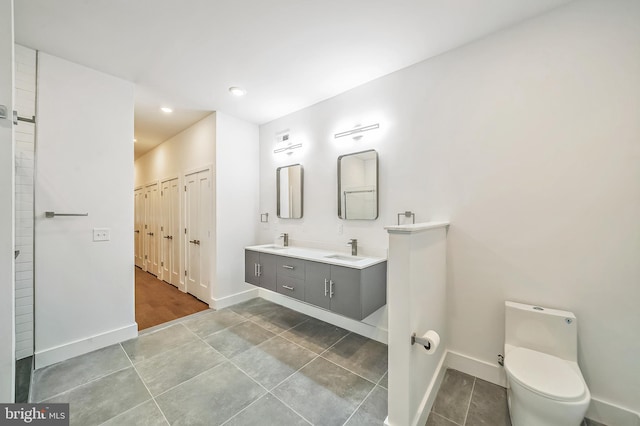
<point>101,234</point>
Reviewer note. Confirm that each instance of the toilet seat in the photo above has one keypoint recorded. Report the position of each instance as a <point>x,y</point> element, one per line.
<point>545,374</point>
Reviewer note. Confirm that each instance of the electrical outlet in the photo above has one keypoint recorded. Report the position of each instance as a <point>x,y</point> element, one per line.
<point>101,234</point>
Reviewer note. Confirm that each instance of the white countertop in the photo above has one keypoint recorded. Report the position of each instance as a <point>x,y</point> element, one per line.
<point>317,255</point>
<point>417,227</point>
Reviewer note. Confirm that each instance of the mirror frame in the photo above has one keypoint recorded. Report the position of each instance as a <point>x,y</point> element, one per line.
<point>301,191</point>
<point>377,184</point>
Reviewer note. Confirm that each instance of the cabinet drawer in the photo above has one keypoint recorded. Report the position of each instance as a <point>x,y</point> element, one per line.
<point>290,267</point>
<point>292,287</point>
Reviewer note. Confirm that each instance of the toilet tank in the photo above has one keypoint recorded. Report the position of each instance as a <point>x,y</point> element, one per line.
<point>551,331</point>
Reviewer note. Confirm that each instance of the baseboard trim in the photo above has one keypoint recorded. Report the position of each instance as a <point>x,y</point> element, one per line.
<point>227,301</point>
<point>56,354</point>
<point>599,410</point>
<point>357,327</point>
<point>432,391</point>
<point>611,414</point>
<point>493,373</point>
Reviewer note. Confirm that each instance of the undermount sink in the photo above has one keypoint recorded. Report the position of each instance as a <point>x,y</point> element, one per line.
<point>345,258</point>
<point>275,247</point>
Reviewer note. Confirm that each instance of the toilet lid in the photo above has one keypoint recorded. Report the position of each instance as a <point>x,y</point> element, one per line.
<point>545,374</point>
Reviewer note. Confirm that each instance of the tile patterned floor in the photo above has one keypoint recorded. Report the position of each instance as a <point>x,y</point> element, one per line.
<point>464,400</point>
<point>256,363</point>
<point>253,363</point>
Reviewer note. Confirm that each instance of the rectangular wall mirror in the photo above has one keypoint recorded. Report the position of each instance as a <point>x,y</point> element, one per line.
<point>358,185</point>
<point>290,191</point>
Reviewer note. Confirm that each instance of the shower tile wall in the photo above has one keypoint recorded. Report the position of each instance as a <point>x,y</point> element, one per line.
<point>25,75</point>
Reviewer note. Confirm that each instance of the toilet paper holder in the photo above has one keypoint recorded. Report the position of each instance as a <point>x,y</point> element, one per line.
<point>419,340</point>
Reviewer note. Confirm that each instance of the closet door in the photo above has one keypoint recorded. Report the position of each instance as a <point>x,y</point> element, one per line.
<point>151,229</point>
<point>138,206</point>
<point>169,254</point>
<point>198,219</point>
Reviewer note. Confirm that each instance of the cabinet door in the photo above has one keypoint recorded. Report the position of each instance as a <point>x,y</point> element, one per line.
<point>268,271</point>
<point>251,259</point>
<point>346,292</point>
<point>316,275</point>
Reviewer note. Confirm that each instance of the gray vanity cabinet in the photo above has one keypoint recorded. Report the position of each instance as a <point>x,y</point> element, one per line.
<point>260,269</point>
<point>354,293</point>
<point>317,282</point>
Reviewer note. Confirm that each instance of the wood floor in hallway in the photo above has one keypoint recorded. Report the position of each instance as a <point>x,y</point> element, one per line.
<point>158,302</point>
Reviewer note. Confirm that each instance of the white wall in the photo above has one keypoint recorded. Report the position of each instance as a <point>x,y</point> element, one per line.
<point>25,135</point>
<point>84,289</point>
<point>192,149</point>
<point>237,218</point>
<point>7,278</point>
<point>527,140</point>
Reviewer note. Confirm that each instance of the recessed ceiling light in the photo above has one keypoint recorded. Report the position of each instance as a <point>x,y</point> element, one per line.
<point>166,109</point>
<point>237,91</point>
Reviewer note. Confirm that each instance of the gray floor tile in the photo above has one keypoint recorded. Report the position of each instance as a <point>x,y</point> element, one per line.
<point>238,338</point>
<point>273,361</point>
<point>437,420</point>
<point>324,393</point>
<point>488,405</point>
<point>279,319</point>
<point>373,410</point>
<point>61,377</point>
<point>212,322</point>
<point>254,307</point>
<point>211,398</point>
<point>454,396</point>
<point>105,398</point>
<point>361,355</point>
<point>148,345</point>
<point>23,379</point>
<point>384,382</point>
<point>173,367</point>
<point>315,335</point>
<point>147,414</point>
<point>268,410</point>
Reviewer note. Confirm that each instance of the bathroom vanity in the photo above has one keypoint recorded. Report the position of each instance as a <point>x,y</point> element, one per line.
<point>353,286</point>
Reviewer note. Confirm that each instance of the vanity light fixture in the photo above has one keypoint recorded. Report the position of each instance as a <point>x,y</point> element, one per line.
<point>166,110</point>
<point>237,91</point>
<point>288,149</point>
<point>358,129</point>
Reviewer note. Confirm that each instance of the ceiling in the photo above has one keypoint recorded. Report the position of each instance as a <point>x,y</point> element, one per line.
<point>287,54</point>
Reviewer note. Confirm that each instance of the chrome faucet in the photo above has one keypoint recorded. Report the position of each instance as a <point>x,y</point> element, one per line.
<point>354,246</point>
<point>285,238</point>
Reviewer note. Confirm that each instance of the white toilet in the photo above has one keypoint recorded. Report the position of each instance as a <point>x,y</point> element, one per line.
<point>545,386</point>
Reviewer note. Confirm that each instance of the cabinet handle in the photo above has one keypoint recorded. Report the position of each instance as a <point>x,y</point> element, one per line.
<point>287,287</point>
<point>255,269</point>
<point>259,270</point>
<point>326,291</point>
<point>331,293</point>
<point>287,266</point>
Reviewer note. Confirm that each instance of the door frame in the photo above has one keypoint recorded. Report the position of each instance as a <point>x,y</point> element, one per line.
<point>212,266</point>
<point>180,285</point>
<point>145,253</point>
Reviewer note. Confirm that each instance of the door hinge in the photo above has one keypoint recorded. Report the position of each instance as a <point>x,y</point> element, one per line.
<point>185,230</point>
<point>185,272</point>
<point>145,227</point>
<point>161,193</point>
<point>145,195</point>
<point>185,188</point>
<point>162,228</point>
<point>145,257</point>
<point>161,263</point>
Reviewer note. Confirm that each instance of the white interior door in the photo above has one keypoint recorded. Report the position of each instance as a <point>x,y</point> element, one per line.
<point>170,255</point>
<point>151,257</point>
<point>138,206</point>
<point>198,225</point>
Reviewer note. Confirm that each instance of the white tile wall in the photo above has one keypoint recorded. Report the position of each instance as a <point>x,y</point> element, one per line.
<point>25,78</point>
